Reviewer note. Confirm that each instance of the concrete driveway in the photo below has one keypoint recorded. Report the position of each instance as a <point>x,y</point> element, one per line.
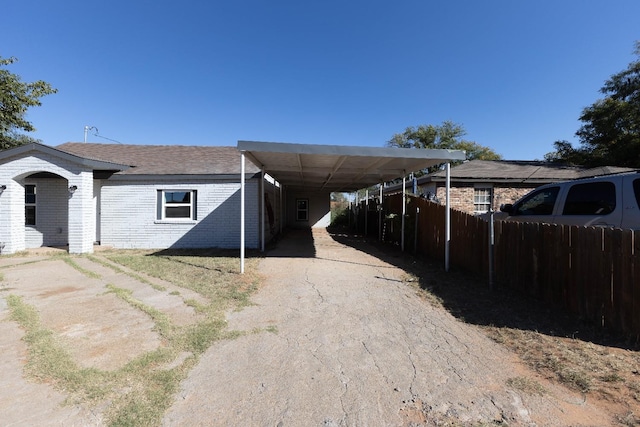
<point>352,344</point>
<point>335,337</point>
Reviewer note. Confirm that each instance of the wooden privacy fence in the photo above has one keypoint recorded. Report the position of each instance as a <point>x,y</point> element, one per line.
<point>593,273</point>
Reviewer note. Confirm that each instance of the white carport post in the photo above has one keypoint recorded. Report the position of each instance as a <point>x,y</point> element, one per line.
<point>262,209</point>
<point>404,210</point>
<point>242,212</point>
<point>281,213</point>
<point>366,213</point>
<point>447,218</point>
<point>380,215</point>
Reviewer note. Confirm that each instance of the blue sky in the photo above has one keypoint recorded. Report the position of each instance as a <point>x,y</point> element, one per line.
<point>516,74</point>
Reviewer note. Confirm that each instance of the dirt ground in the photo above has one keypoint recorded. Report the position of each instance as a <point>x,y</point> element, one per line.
<point>336,339</point>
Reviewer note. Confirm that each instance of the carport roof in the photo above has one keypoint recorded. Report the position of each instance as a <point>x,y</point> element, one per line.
<point>340,168</point>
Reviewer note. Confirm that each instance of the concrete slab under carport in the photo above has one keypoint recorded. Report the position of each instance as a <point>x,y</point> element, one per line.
<point>313,168</point>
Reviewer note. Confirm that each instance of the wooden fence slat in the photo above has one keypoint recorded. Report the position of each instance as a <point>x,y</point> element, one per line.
<point>623,282</point>
<point>592,279</point>
<point>611,270</point>
<point>562,265</point>
<point>578,241</point>
<point>635,286</point>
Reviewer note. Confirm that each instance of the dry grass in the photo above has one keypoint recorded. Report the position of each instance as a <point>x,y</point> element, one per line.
<point>526,385</point>
<point>604,367</point>
<point>139,393</point>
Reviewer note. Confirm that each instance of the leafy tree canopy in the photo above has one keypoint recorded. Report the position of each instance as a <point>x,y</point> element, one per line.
<point>16,97</point>
<point>610,134</point>
<point>448,135</point>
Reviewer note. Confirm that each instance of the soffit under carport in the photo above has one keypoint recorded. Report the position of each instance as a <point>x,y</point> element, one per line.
<point>340,168</point>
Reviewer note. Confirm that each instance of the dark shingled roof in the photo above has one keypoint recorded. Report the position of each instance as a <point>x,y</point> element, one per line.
<point>520,171</point>
<point>164,159</point>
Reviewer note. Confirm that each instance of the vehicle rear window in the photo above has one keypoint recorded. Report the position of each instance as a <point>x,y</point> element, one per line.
<point>592,198</point>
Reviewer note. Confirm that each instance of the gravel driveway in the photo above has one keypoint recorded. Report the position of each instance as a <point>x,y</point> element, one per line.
<point>338,339</point>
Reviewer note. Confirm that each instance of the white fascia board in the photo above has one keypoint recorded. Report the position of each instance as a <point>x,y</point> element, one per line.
<point>41,148</point>
<point>175,177</point>
<point>342,150</point>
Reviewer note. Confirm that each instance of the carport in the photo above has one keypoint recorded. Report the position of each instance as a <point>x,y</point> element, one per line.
<point>336,168</point>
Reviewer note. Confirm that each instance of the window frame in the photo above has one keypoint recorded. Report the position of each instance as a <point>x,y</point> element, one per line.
<point>488,198</point>
<point>304,210</point>
<point>30,205</point>
<point>162,205</point>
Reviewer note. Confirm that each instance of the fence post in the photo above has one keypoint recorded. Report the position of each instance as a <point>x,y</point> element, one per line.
<point>491,247</point>
<point>404,211</point>
<point>355,212</point>
<point>366,213</point>
<point>415,234</point>
<point>380,215</point>
<point>447,217</point>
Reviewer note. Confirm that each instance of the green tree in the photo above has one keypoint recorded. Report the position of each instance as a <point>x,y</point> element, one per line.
<point>610,134</point>
<point>16,97</point>
<point>448,135</point>
<point>565,153</point>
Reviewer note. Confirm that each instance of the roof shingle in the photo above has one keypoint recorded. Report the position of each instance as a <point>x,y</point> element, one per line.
<point>164,159</point>
<point>521,171</point>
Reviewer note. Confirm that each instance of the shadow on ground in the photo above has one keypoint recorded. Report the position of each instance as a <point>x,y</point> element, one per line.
<point>468,297</point>
<point>293,243</point>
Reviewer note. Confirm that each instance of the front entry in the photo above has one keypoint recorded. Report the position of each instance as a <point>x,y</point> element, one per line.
<point>46,206</point>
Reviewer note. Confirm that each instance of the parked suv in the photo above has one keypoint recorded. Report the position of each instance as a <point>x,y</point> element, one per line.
<point>606,201</point>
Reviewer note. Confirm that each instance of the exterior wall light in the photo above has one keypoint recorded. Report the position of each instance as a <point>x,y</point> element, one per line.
<point>73,189</point>
<point>2,188</point>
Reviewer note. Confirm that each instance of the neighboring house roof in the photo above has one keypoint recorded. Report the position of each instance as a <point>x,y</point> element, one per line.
<point>519,171</point>
<point>164,159</point>
<point>511,172</point>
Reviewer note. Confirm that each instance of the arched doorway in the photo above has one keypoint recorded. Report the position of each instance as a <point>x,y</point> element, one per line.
<point>46,206</point>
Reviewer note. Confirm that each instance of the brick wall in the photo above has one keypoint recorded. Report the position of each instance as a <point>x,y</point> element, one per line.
<point>129,217</point>
<point>462,196</point>
<point>13,173</point>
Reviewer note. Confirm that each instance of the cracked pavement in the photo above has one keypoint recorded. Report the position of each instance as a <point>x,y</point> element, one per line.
<point>356,346</point>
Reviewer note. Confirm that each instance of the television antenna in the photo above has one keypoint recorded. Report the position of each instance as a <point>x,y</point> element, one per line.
<point>87,129</point>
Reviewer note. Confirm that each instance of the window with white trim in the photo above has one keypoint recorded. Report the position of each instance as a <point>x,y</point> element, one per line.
<point>177,204</point>
<point>481,200</point>
<point>30,204</point>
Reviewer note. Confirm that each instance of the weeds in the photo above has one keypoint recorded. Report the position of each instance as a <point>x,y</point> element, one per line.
<point>139,393</point>
<point>72,263</point>
<point>526,385</point>
<point>163,324</point>
<point>48,360</point>
<point>117,269</point>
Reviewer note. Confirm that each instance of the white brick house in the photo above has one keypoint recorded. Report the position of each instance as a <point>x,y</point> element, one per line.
<point>172,196</point>
<point>126,196</point>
